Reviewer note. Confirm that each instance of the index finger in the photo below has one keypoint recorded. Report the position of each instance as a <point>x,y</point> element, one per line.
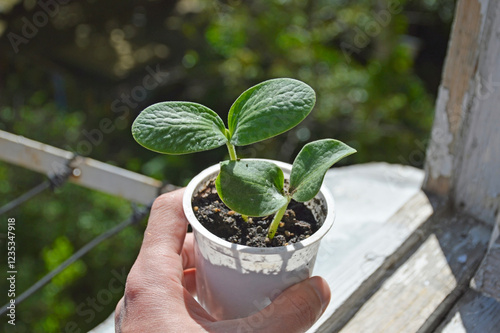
<point>167,225</point>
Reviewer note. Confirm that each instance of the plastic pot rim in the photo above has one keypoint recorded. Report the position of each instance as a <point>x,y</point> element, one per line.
<point>196,225</point>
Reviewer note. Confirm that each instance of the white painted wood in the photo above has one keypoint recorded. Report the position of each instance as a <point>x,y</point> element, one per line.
<point>364,265</point>
<point>473,313</point>
<point>477,188</point>
<point>89,173</point>
<point>496,232</point>
<point>487,278</point>
<point>425,287</point>
<point>458,73</point>
<point>364,239</point>
<point>385,312</point>
<point>455,325</point>
<point>463,157</point>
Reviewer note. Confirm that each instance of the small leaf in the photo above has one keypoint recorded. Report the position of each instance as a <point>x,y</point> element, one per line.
<point>253,188</point>
<point>179,128</point>
<point>268,109</point>
<point>311,164</point>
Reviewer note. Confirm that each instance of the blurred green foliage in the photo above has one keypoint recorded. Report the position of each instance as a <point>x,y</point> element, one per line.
<point>375,66</point>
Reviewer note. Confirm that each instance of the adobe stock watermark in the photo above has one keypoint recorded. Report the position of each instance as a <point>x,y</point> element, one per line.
<point>88,308</point>
<point>380,19</point>
<point>47,9</point>
<point>486,87</point>
<point>122,107</point>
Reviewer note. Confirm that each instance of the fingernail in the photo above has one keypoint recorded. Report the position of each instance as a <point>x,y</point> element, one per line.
<point>322,290</point>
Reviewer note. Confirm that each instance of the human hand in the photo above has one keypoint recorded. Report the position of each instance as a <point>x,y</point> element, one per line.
<point>160,286</point>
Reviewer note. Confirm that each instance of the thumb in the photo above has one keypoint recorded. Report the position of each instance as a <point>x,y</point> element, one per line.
<point>294,310</point>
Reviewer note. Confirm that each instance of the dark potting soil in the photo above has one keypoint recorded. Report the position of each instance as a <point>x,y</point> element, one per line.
<point>297,224</point>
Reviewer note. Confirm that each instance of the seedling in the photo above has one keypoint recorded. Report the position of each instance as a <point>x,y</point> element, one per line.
<point>249,187</point>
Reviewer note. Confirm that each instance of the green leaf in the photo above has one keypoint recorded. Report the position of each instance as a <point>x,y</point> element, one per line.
<point>253,188</point>
<point>268,109</point>
<point>311,164</point>
<point>179,128</point>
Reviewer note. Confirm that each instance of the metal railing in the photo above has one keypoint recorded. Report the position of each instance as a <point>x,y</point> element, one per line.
<point>62,166</point>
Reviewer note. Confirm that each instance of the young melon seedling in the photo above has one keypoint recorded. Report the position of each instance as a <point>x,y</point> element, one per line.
<point>249,187</point>
<point>255,188</point>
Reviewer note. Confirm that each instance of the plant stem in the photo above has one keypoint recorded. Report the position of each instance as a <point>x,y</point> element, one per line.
<point>232,151</point>
<point>277,219</point>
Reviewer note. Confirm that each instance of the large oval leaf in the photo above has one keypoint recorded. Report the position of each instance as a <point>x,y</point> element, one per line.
<point>268,109</point>
<point>311,164</point>
<point>253,188</point>
<point>179,128</point>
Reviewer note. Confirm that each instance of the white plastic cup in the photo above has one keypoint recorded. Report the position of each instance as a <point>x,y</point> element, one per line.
<point>234,281</point>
